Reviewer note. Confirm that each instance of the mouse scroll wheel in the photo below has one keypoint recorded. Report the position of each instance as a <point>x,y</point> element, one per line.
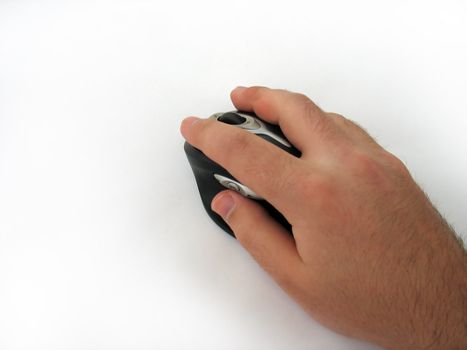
<point>231,118</point>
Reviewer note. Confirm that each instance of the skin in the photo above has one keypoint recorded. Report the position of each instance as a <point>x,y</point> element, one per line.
<point>370,257</point>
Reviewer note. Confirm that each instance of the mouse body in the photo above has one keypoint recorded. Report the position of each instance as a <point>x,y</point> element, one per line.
<point>211,178</point>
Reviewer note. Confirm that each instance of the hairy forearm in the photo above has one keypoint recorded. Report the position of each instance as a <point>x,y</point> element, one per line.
<point>441,315</point>
<point>453,298</point>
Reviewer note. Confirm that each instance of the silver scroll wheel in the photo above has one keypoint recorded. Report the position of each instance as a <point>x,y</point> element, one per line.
<point>236,186</point>
<point>255,126</point>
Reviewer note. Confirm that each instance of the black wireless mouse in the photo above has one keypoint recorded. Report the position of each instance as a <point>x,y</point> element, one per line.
<point>211,178</point>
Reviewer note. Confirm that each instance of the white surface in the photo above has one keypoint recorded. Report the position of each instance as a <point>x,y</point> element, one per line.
<point>103,240</point>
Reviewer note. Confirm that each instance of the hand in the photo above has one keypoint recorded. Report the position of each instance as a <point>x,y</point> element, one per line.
<point>370,256</point>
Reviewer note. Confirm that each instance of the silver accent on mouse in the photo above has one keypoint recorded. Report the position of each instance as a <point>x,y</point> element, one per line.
<point>249,123</point>
<point>236,186</point>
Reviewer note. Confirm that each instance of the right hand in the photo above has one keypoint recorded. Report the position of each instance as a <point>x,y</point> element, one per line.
<point>370,256</point>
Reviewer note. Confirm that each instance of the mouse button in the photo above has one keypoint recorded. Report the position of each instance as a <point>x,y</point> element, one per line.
<point>251,123</point>
<point>231,118</point>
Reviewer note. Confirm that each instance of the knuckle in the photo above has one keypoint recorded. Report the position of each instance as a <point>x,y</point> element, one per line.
<point>345,124</point>
<point>378,167</point>
<point>255,92</point>
<point>263,105</point>
<point>264,102</point>
<point>260,99</point>
<point>362,162</point>
<point>371,169</point>
<point>322,126</point>
<point>339,119</point>
<point>351,127</point>
<point>309,107</point>
<point>313,115</point>
<point>395,163</point>
<point>301,97</point>
<point>361,131</point>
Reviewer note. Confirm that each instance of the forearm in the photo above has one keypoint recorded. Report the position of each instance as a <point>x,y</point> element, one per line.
<point>440,308</point>
<point>452,299</point>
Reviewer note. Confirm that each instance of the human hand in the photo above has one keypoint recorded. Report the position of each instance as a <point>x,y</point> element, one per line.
<point>370,256</point>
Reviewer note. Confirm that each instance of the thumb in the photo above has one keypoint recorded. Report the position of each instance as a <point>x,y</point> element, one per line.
<point>265,239</point>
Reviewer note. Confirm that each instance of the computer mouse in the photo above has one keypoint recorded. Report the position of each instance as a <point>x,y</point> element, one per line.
<point>211,178</point>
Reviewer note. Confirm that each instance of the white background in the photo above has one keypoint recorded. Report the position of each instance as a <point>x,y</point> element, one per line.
<point>104,243</point>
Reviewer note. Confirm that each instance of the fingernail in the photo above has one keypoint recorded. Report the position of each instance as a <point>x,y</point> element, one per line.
<point>239,89</point>
<point>223,205</point>
<point>187,122</point>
